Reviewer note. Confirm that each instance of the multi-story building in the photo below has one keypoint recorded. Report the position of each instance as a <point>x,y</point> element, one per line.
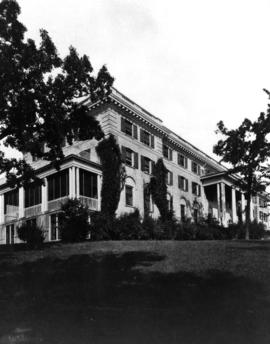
<point>197,184</point>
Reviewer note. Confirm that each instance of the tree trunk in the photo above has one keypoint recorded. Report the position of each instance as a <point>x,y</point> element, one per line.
<point>247,227</point>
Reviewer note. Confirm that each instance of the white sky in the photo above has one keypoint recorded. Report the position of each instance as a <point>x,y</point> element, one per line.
<point>189,62</point>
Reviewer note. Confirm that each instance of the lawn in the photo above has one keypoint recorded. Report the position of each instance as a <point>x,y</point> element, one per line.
<point>136,292</point>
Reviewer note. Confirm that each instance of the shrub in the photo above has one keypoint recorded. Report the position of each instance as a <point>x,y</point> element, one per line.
<point>74,225</point>
<point>129,226</point>
<point>186,230</point>
<point>148,228</point>
<point>32,234</point>
<point>256,230</point>
<point>103,227</point>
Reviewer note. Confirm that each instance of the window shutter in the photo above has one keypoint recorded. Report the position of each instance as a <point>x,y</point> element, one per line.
<point>179,182</point>
<point>136,163</point>
<point>123,154</point>
<point>135,131</point>
<point>170,154</point>
<point>170,178</point>
<point>152,166</point>
<point>123,124</point>
<point>186,184</point>
<point>141,134</point>
<point>152,137</point>
<point>142,163</point>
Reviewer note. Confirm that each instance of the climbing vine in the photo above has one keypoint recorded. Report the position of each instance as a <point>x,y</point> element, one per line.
<point>113,175</point>
<point>158,189</point>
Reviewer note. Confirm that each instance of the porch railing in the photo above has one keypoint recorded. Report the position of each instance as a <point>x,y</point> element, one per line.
<point>56,203</point>
<point>92,203</point>
<point>32,211</point>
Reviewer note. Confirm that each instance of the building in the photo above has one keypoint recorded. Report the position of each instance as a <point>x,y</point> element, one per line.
<point>197,184</point>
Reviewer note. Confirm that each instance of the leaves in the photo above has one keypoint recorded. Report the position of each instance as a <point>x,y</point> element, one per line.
<point>38,92</point>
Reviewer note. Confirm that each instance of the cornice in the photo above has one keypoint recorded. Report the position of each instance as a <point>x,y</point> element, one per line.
<point>130,107</point>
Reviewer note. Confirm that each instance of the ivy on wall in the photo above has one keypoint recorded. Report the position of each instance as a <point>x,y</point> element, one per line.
<point>113,174</point>
<point>158,189</point>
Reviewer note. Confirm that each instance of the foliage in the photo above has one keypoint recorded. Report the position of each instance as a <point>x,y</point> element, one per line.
<point>40,96</point>
<point>112,172</point>
<point>158,189</point>
<point>237,231</point>
<point>129,226</point>
<point>74,221</point>
<point>32,234</point>
<point>103,227</point>
<point>247,150</point>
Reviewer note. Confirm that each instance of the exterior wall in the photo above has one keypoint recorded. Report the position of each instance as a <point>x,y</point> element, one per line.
<point>223,205</point>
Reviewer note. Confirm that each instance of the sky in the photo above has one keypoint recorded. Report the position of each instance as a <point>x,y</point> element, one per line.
<point>191,63</point>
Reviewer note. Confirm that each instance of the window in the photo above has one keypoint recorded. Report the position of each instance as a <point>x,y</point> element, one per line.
<point>146,165</point>
<point>182,212</point>
<point>32,195</point>
<point>262,203</point>
<point>195,168</point>
<point>88,184</point>
<point>169,178</point>
<point>129,128</point>
<point>167,152</point>
<point>182,183</point>
<point>129,157</point>
<point>11,200</point>
<point>170,202</point>
<point>261,215</point>
<point>147,200</point>
<point>58,185</point>
<point>55,227</point>
<point>196,189</point>
<point>147,138</point>
<point>129,196</point>
<point>182,160</point>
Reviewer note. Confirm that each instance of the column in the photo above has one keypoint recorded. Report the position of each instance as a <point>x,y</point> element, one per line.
<point>223,204</point>
<point>234,210</point>
<point>99,185</point>
<point>72,182</point>
<point>218,201</point>
<point>77,182</point>
<point>21,202</point>
<point>44,196</point>
<point>251,210</point>
<point>2,212</point>
<point>243,206</point>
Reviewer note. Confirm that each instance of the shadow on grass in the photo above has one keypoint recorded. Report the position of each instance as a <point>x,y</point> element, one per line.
<point>108,299</point>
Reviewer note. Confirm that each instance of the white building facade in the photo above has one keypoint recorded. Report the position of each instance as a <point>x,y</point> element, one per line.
<point>197,184</point>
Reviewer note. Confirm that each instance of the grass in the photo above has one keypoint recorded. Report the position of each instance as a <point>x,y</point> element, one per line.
<point>136,292</point>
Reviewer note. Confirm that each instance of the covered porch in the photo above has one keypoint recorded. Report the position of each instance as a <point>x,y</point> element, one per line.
<point>226,202</point>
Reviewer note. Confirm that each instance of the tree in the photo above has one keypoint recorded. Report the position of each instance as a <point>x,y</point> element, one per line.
<point>113,175</point>
<point>40,96</point>
<point>158,189</point>
<point>73,219</point>
<point>247,149</point>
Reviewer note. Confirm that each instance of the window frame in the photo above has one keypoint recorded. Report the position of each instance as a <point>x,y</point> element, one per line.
<point>129,196</point>
<point>180,156</point>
